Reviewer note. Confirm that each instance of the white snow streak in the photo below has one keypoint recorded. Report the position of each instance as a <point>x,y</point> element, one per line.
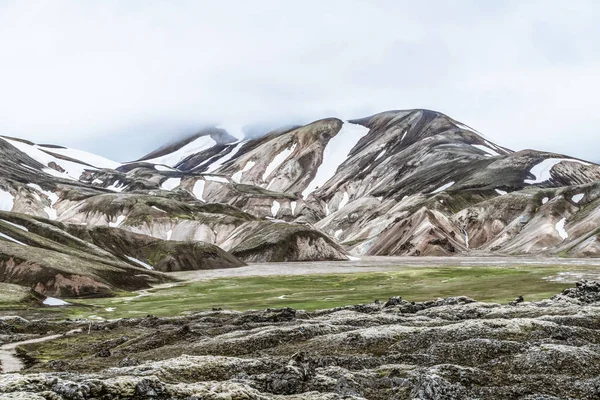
<point>143,264</point>
<point>118,222</point>
<point>170,183</point>
<point>277,161</point>
<point>159,167</point>
<point>174,158</point>
<point>500,192</point>
<point>7,201</point>
<point>220,161</point>
<point>336,153</point>
<point>83,156</point>
<point>275,208</point>
<point>52,301</point>
<point>441,189</point>
<point>344,201</point>
<point>216,179</point>
<point>12,239</point>
<point>541,171</point>
<point>117,187</point>
<point>237,177</point>
<point>578,197</point>
<point>293,204</point>
<point>73,170</point>
<point>199,189</point>
<point>223,159</point>
<point>15,225</point>
<point>545,200</point>
<point>380,154</point>
<point>52,197</point>
<point>560,227</point>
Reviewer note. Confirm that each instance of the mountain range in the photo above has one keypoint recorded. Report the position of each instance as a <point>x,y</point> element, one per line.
<point>410,182</point>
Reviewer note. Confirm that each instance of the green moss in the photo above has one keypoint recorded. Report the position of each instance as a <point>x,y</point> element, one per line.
<point>310,292</point>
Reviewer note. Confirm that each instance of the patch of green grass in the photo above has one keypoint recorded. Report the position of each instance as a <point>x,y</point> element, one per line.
<point>310,292</point>
<point>15,296</point>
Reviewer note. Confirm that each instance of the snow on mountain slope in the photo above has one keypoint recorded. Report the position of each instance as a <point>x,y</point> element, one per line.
<point>84,156</point>
<point>52,165</point>
<point>335,154</point>
<point>399,182</point>
<point>176,157</point>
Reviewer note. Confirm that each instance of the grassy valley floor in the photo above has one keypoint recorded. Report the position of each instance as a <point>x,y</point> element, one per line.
<point>317,291</point>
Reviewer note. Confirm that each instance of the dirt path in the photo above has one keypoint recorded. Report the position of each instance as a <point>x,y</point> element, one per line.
<point>9,362</point>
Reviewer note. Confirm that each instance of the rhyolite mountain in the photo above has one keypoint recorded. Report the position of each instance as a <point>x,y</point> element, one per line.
<point>412,182</point>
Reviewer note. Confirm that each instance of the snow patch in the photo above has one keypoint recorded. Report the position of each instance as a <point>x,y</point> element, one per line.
<point>403,135</point>
<point>237,177</point>
<point>335,154</point>
<point>159,167</point>
<point>560,227</point>
<point>545,200</point>
<point>7,201</point>
<point>275,208</point>
<point>501,192</point>
<point>442,188</point>
<point>117,187</point>
<point>351,258</point>
<point>293,205</point>
<point>169,234</point>
<point>158,209</point>
<point>52,301</point>
<point>380,154</point>
<point>216,179</point>
<point>344,201</point>
<point>199,189</point>
<point>83,156</point>
<point>73,170</point>
<point>338,233</point>
<point>578,197</point>
<point>541,171</point>
<point>15,225</point>
<point>139,262</point>
<point>11,239</point>
<point>466,234</point>
<point>52,197</point>
<point>170,183</point>
<point>277,161</point>
<point>118,222</point>
<point>172,159</point>
<point>222,160</point>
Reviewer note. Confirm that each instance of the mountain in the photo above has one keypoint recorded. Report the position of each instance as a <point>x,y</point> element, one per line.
<point>411,182</point>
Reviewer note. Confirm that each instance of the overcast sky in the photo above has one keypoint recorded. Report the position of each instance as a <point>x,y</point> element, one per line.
<point>121,77</point>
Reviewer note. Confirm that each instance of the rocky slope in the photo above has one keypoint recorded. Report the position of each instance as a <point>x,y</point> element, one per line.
<point>412,182</point>
<point>453,348</point>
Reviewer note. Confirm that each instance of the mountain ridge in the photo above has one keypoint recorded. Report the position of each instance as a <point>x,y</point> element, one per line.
<point>404,182</point>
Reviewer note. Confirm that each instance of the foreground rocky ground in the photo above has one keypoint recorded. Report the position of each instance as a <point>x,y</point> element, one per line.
<point>453,348</point>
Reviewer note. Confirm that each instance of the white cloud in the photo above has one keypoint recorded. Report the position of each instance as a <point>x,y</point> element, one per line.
<point>81,73</point>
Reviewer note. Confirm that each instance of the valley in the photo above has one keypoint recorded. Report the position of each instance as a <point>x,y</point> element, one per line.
<point>381,257</point>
